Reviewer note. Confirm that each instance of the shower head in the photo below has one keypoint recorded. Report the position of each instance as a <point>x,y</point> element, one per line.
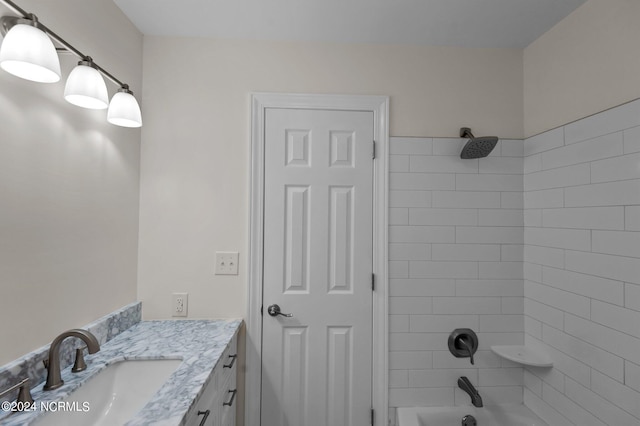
<point>476,147</point>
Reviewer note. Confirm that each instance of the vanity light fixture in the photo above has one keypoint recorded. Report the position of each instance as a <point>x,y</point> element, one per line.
<point>124,110</point>
<point>28,52</point>
<point>85,86</point>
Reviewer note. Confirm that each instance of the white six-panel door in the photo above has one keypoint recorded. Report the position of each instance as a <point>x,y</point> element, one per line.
<point>318,253</point>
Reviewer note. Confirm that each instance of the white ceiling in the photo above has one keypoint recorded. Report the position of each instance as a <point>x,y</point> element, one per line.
<point>467,23</point>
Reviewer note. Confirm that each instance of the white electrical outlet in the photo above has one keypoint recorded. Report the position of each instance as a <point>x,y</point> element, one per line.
<point>180,304</point>
<point>227,263</point>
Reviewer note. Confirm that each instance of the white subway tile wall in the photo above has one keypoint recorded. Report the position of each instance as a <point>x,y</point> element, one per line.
<point>459,233</point>
<point>456,260</point>
<point>582,269</point>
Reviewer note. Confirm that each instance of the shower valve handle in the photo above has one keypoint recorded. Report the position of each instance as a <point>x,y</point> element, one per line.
<point>464,342</point>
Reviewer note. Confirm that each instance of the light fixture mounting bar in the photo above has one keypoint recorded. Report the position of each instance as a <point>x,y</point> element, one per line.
<point>17,9</point>
<point>68,46</point>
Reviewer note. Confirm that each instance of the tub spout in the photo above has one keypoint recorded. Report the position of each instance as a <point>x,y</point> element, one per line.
<point>465,385</point>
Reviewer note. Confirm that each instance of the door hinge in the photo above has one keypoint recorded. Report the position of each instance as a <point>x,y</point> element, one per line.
<point>261,310</point>
<point>372,417</point>
<point>373,282</point>
<point>373,153</point>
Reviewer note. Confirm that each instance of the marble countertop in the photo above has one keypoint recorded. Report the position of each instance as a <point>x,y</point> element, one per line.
<point>199,343</point>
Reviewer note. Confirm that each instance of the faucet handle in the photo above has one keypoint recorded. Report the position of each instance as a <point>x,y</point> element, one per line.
<point>24,394</point>
<point>463,343</point>
<point>79,364</point>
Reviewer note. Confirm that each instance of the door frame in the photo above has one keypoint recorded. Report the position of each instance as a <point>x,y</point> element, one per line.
<point>379,106</point>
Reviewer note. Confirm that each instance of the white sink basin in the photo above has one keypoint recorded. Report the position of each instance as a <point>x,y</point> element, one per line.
<point>114,395</point>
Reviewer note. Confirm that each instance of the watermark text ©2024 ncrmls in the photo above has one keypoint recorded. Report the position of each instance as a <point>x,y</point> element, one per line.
<point>48,406</point>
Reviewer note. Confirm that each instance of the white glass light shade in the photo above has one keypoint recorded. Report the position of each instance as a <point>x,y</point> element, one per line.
<point>86,88</point>
<point>29,53</point>
<point>124,110</point>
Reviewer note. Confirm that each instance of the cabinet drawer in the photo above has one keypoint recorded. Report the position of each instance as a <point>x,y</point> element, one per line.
<point>217,403</point>
<point>206,412</point>
<point>230,400</point>
<point>229,361</point>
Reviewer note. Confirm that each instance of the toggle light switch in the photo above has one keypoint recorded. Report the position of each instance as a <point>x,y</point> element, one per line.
<point>227,263</point>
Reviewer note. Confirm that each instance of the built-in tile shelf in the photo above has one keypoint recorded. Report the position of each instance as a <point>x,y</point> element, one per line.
<point>522,355</point>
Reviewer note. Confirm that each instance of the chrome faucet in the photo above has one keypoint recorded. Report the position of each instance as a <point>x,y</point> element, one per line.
<point>465,385</point>
<point>54,381</point>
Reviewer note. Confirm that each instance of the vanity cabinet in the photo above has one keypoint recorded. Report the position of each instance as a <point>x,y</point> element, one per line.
<point>217,404</point>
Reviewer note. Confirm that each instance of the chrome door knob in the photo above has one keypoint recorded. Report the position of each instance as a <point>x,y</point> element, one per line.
<point>274,311</point>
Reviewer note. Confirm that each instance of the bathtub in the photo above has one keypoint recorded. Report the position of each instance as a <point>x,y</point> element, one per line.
<point>490,415</point>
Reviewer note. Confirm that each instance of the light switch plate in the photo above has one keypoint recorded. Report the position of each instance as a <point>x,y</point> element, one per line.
<point>226,263</point>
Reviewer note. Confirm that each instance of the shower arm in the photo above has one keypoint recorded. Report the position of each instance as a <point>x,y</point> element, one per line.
<point>465,132</point>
